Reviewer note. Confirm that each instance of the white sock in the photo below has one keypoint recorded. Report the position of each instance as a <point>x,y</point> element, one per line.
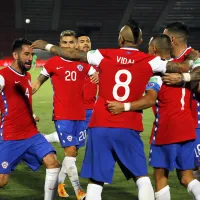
<point>69,168</point>
<point>51,184</point>
<point>196,174</point>
<point>163,194</point>
<point>93,192</point>
<point>52,137</point>
<point>145,189</point>
<point>194,189</point>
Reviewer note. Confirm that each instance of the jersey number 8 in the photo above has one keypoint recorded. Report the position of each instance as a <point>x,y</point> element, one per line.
<point>124,84</point>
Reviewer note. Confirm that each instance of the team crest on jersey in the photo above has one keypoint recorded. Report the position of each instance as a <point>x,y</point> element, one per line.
<point>4,164</point>
<point>69,138</point>
<point>80,67</point>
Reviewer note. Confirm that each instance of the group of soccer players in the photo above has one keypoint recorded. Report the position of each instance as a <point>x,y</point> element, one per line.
<point>116,121</point>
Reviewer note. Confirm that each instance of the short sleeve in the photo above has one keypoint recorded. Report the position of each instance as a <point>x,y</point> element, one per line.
<point>46,70</point>
<point>91,71</point>
<point>94,57</point>
<point>154,83</point>
<point>158,65</point>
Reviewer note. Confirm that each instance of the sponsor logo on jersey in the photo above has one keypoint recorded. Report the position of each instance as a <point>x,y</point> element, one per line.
<point>17,82</point>
<point>59,68</point>
<point>128,52</point>
<point>80,67</point>
<point>4,164</point>
<point>69,138</point>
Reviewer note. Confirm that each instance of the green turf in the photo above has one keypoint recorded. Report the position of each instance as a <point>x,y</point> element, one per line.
<point>25,184</point>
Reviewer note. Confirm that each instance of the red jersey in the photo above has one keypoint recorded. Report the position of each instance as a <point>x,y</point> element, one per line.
<point>17,121</point>
<point>123,75</point>
<point>174,122</point>
<point>89,94</point>
<point>194,106</point>
<point>67,79</point>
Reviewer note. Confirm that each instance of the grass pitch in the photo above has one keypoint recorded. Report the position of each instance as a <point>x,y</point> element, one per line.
<point>25,184</point>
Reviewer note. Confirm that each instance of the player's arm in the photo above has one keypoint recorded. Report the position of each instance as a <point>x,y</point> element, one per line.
<point>70,54</point>
<point>44,75</point>
<point>148,100</point>
<point>163,66</point>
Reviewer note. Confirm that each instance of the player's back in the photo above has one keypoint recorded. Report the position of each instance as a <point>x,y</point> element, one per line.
<point>16,106</point>
<point>67,79</point>
<point>123,75</point>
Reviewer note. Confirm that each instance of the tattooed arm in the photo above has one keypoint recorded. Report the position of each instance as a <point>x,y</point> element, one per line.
<point>70,54</point>
<point>40,80</point>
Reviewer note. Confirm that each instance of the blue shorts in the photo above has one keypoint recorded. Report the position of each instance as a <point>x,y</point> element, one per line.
<point>105,146</point>
<point>88,116</point>
<point>197,149</point>
<point>31,151</point>
<point>71,132</point>
<point>170,156</point>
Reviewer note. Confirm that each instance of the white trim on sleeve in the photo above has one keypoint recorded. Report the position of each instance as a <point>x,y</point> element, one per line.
<point>44,72</point>
<point>2,81</point>
<point>158,65</point>
<point>94,57</point>
<point>91,71</point>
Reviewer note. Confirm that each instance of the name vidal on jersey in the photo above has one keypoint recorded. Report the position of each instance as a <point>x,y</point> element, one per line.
<point>124,61</point>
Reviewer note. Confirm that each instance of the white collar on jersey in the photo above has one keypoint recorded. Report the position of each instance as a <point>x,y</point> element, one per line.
<point>189,47</point>
<point>66,60</point>
<point>129,48</point>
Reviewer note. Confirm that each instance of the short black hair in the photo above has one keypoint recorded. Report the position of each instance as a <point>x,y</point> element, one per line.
<point>84,31</point>
<point>18,43</point>
<point>134,26</point>
<point>162,42</point>
<point>178,27</point>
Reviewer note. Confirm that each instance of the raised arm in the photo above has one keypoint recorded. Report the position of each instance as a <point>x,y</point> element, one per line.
<point>68,53</point>
<point>40,80</point>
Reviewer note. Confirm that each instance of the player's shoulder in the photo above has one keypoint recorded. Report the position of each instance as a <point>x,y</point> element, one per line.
<point>5,71</point>
<point>53,59</point>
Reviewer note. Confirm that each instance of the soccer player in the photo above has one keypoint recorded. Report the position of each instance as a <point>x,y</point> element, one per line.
<point>20,139</point>
<point>169,148</point>
<point>68,78</point>
<point>90,89</point>
<point>123,75</point>
<point>178,32</point>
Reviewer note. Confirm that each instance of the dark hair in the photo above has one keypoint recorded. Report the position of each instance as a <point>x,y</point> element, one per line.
<point>178,27</point>
<point>162,42</point>
<point>18,43</point>
<point>134,28</point>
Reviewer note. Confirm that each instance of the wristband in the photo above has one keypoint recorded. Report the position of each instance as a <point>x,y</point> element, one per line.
<point>186,77</point>
<point>48,47</point>
<point>127,106</point>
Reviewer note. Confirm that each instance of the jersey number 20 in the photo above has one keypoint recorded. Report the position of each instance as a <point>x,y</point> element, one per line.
<point>70,76</point>
<point>124,84</point>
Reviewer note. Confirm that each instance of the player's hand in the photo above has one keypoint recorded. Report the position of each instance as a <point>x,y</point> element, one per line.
<point>193,55</point>
<point>115,107</point>
<point>94,78</point>
<point>172,78</point>
<point>39,44</point>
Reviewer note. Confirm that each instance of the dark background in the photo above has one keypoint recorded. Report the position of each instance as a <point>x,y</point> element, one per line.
<point>102,18</point>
